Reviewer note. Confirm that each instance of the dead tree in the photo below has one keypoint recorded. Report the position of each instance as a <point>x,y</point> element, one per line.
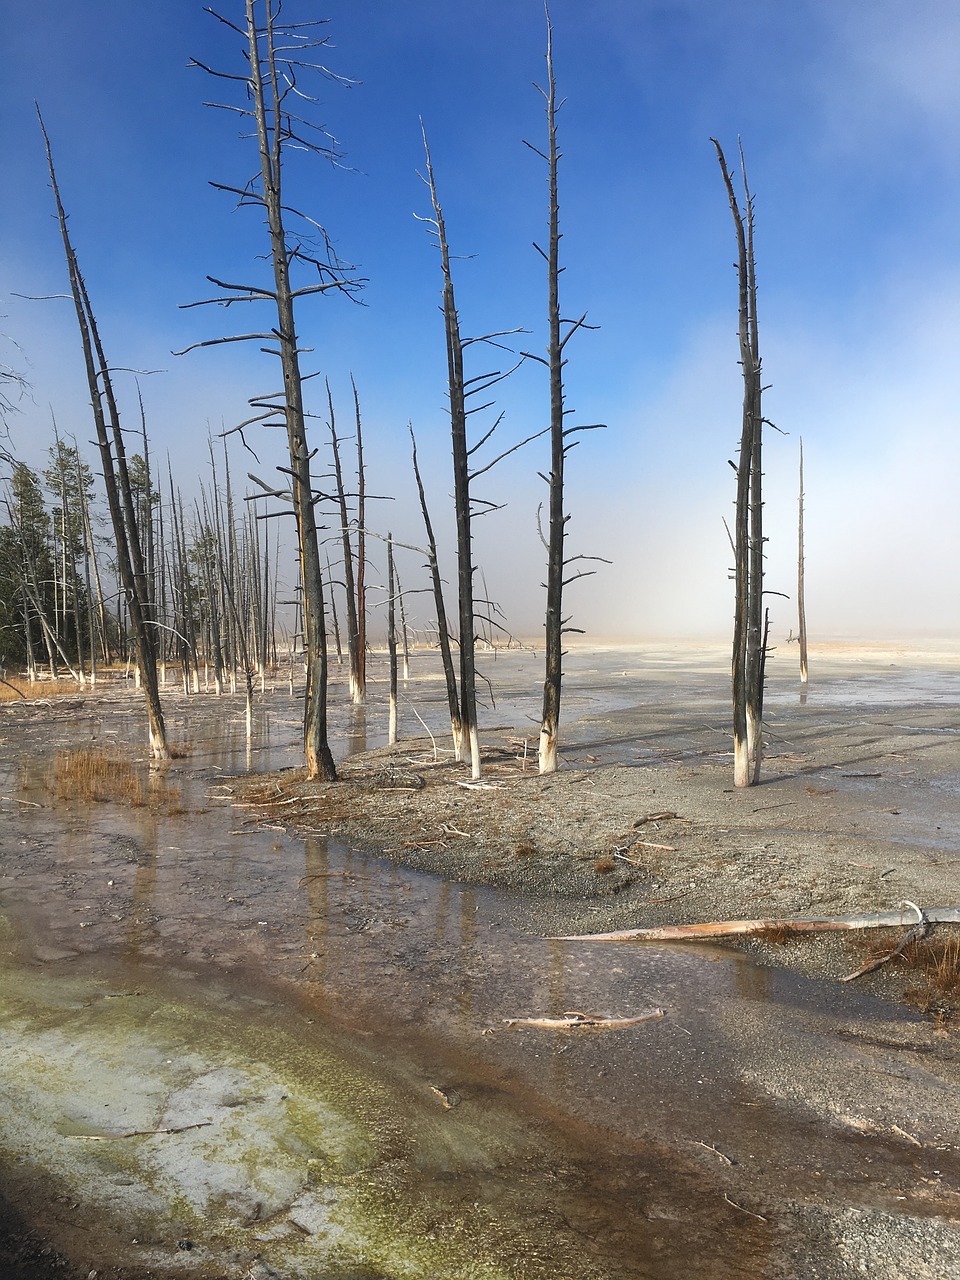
<point>361,551</point>
<point>749,634</point>
<point>443,631</point>
<point>392,640</point>
<point>357,683</point>
<point>465,470</point>
<point>276,53</point>
<point>333,614</point>
<point>404,634</point>
<point>456,391</point>
<point>130,561</point>
<point>801,601</point>
<point>560,332</point>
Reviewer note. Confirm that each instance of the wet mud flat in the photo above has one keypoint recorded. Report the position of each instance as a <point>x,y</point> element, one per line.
<point>231,1050</point>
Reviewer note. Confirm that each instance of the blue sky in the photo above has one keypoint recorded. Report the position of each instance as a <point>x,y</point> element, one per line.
<point>850,119</point>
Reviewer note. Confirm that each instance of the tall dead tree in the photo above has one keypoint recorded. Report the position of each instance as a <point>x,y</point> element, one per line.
<point>361,677</point>
<point>560,333</point>
<point>443,631</point>
<point>749,631</point>
<point>457,397</point>
<point>392,640</point>
<point>801,599</point>
<point>465,468</point>
<point>357,682</point>
<point>106,415</point>
<point>276,52</point>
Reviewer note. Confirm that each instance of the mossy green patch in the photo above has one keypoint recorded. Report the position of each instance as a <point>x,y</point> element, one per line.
<point>214,1117</point>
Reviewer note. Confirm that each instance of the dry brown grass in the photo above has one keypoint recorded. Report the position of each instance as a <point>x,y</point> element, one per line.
<point>936,963</point>
<point>91,773</point>
<point>775,934</point>
<point>931,967</point>
<point>18,689</point>
<point>98,774</point>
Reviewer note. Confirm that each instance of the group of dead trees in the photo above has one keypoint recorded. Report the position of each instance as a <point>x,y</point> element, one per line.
<point>467,468</point>
<point>210,577</point>
<point>277,56</point>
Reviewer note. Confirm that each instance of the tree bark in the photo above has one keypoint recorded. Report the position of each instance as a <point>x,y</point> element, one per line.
<point>748,635</point>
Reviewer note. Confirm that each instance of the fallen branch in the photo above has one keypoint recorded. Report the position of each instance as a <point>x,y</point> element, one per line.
<point>759,1216</point>
<point>137,1133</point>
<point>665,816</point>
<point>709,1146</point>
<point>574,1020</point>
<point>733,928</point>
<point>919,930</point>
<point>909,1136</point>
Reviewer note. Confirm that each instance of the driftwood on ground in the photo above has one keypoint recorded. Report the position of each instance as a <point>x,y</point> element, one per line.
<point>904,915</point>
<point>574,1019</point>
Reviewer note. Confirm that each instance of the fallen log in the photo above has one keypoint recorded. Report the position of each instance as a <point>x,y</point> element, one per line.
<point>574,1020</point>
<point>906,915</point>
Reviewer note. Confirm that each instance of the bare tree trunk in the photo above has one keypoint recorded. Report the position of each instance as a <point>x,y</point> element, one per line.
<point>361,550</point>
<point>801,603</point>
<point>334,617</point>
<point>555,624</point>
<point>244,651</point>
<point>267,106</point>
<point>28,636</point>
<point>392,641</point>
<point>461,489</point>
<point>357,685</point>
<point>90,564</point>
<point>748,640</point>
<point>271,80</point>
<point>443,632</point>
<point>404,638</point>
<point>116,481</point>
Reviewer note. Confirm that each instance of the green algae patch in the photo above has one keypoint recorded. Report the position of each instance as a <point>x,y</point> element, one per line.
<point>211,1118</point>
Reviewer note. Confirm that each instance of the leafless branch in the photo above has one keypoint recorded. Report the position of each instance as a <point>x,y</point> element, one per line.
<point>507,452</point>
<point>216,342</point>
